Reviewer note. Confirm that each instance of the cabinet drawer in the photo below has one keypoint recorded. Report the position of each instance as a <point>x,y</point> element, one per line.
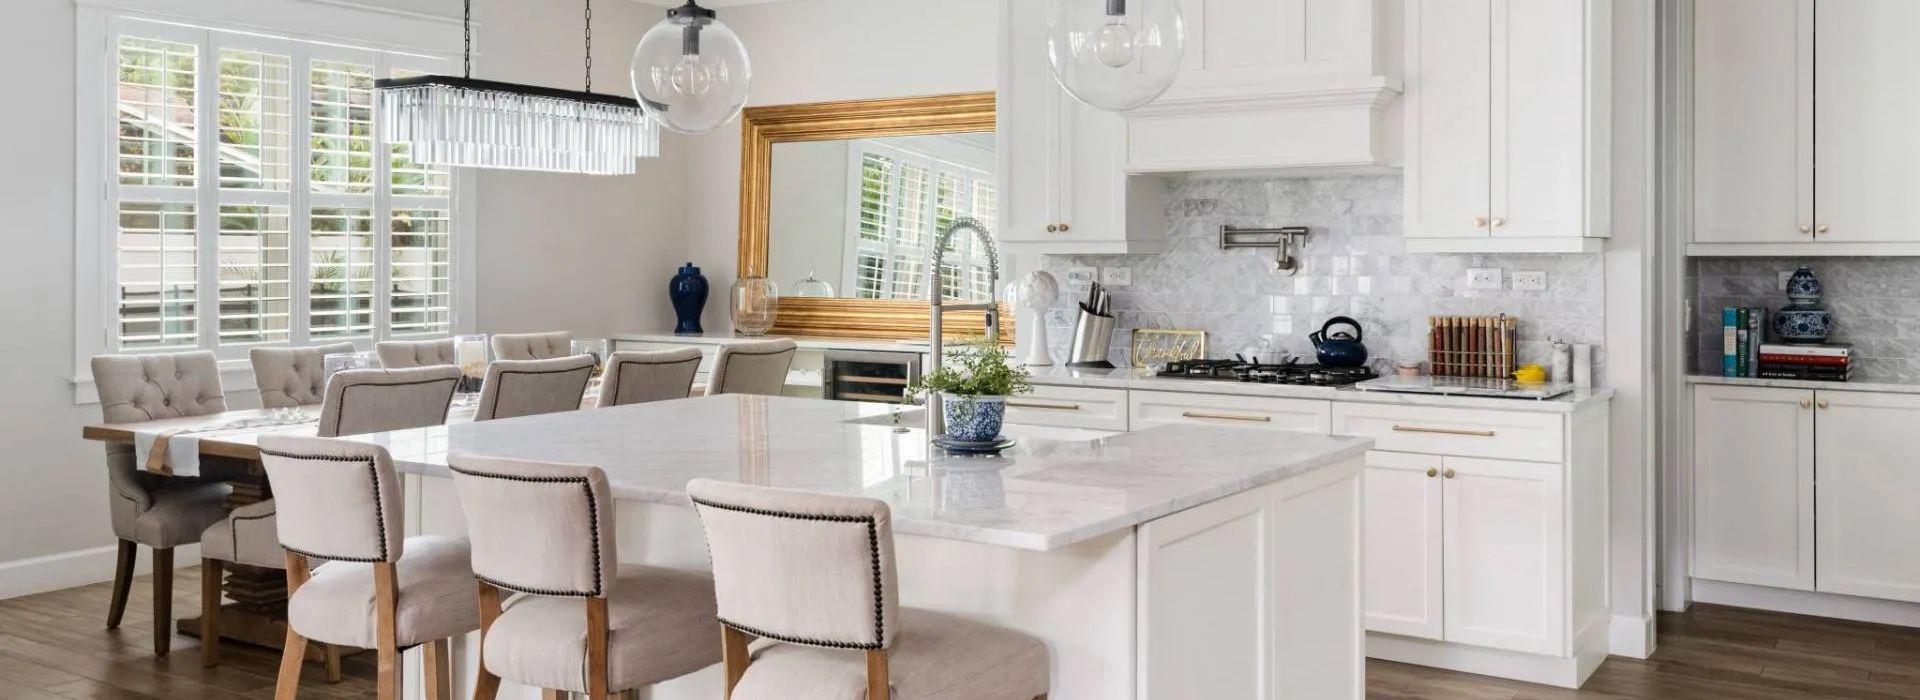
<point>1150,408</point>
<point>1070,407</point>
<point>1532,437</point>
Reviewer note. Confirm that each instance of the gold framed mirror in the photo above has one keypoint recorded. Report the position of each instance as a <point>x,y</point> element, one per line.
<point>887,142</point>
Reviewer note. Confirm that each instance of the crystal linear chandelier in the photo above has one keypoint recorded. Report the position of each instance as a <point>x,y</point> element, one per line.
<point>463,121</point>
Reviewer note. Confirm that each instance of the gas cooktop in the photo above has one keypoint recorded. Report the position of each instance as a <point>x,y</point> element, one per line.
<point>1238,370</point>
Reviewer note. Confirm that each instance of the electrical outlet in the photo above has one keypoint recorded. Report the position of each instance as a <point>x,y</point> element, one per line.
<point>1082,277</point>
<point>1116,276</point>
<point>1483,278</point>
<point>1784,276</point>
<point>1530,280</point>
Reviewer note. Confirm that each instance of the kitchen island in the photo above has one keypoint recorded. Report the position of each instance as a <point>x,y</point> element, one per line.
<point>1176,562</point>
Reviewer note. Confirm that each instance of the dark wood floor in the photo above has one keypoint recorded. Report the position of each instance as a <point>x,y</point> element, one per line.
<point>52,646</point>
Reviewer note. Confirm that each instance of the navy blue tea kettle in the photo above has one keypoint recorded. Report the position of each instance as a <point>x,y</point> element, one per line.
<point>1339,348</point>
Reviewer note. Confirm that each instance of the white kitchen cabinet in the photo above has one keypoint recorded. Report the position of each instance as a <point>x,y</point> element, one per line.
<point>1150,408</point>
<point>1070,407</point>
<point>1507,125</point>
<point>1063,187</point>
<point>1785,89</point>
<point>1403,544</point>
<point>1753,486</point>
<point>1864,450</point>
<point>1505,551</point>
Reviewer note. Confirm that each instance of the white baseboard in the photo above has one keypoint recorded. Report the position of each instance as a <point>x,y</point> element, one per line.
<point>78,568</point>
<point>1563,671</point>
<point>1835,605</point>
<point>1631,636</point>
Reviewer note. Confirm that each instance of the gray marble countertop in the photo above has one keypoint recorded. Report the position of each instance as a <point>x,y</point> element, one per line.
<point>804,341</point>
<point>1131,378</point>
<point>1055,488</point>
<point>1877,387</point>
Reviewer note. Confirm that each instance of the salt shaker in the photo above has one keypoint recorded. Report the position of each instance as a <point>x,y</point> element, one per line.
<point>1562,362</point>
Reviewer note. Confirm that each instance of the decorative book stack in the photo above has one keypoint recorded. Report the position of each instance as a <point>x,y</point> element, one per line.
<point>1740,337</point>
<point>1825,362</point>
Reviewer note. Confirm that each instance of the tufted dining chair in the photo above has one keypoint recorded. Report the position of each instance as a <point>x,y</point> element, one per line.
<point>406,354</point>
<point>292,377</point>
<point>161,512</point>
<point>634,376</point>
<point>530,387</point>
<point>751,367</point>
<point>356,401</point>
<point>377,588</point>
<point>813,575</point>
<point>578,620</point>
<point>532,346</point>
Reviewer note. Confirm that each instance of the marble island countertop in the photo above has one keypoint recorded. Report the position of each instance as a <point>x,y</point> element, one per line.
<point>1055,488</point>
<point>1133,378</point>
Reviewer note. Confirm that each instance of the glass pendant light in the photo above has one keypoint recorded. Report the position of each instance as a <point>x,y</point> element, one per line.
<point>488,124</point>
<point>1115,54</point>
<point>690,71</point>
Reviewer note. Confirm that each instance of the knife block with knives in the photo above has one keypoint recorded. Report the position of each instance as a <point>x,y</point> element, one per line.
<point>1093,330</point>
<point>1470,346</point>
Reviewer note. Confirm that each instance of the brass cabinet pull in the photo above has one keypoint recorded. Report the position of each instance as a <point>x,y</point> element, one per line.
<point>1479,222</point>
<point>1431,472</point>
<point>1498,222</point>
<point>1442,431</point>
<point>1048,406</point>
<point>1449,472</point>
<point>1806,403</point>
<point>1064,227</point>
<point>1817,230</point>
<point>1052,228</point>
<point>1821,403</point>
<point>1805,228</point>
<point>1227,416</point>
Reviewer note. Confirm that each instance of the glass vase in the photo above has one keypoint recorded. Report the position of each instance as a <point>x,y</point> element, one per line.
<point>755,303</point>
<point>471,354</point>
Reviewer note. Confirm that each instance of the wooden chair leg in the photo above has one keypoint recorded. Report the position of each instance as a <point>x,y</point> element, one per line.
<point>486,686</point>
<point>597,634</point>
<point>733,654</point>
<point>210,612</point>
<point>879,679</point>
<point>386,596</point>
<point>291,655</point>
<point>162,601</point>
<point>122,581</point>
<point>332,662</point>
<point>436,661</point>
<point>551,694</point>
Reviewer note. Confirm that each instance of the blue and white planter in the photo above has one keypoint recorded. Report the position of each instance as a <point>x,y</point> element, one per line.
<point>973,418</point>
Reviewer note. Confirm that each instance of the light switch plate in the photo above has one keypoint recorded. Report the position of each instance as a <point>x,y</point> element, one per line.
<point>1483,278</point>
<point>1784,276</point>
<point>1116,276</point>
<point>1530,280</point>
<point>1082,277</point>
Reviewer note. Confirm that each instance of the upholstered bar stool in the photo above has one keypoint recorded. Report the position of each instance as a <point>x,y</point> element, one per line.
<point>578,620</point>
<point>634,376</point>
<point>531,387</point>
<point>161,512</point>
<point>815,573</point>
<point>377,588</point>
<point>751,367</point>
<point>404,354</point>
<point>354,402</point>
<point>531,346</point>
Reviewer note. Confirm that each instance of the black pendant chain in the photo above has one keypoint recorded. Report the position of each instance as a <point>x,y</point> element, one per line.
<point>466,24</point>
<point>589,45</point>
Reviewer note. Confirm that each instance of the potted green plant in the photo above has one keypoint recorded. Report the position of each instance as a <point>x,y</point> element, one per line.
<point>974,384</point>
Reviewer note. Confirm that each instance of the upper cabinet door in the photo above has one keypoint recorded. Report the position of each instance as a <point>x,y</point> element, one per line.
<point>1029,123</point>
<point>1547,178</point>
<point>1866,95</point>
<point>1449,102</point>
<point>1753,485</point>
<point>1753,120</point>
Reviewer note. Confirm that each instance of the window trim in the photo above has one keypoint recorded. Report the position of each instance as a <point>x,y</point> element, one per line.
<point>95,273</point>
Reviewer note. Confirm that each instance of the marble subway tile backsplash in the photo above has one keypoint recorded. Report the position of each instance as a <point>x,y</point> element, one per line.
<point>1875,304</point>
<point>1354,264</point>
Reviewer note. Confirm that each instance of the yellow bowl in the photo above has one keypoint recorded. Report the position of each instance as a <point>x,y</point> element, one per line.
<point>1530,374</point>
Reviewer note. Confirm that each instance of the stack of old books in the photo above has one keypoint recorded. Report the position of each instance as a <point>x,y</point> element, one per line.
<point>1824,362</point>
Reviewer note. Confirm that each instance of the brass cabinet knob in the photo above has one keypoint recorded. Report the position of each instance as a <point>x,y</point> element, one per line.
<point>1806,403</point>
<point>1479,222</point>
<point>1064,227</point>
<point>1051,228</point>
<point>1821,403</point>
<point>1449,473</point>
<point>1431,472</point>
<point>1820,229</point>
<point>1498,222</point>
<point>1805,228</point>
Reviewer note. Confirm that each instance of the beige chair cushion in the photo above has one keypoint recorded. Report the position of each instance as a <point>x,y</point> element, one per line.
<point>640,376</point>
<point>752,367</point>
<point>289,377</point>
<point>360,401</point>
<point>246,536</point>
<point>176,514</point>
<point>437,597</point>
<point>407,354</point>
<point>937,657</point>
<point>343,498</point>
<point>549,527</point>
<point>531,387</point>
<point>800,567</point>
<point>661,627</point>
<point>531,346</point>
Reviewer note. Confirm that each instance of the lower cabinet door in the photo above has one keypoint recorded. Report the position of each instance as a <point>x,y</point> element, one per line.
<point>1753,519</point>
<point>1403,544</point>
<point>1504,544</point>
<point>1865,448</point>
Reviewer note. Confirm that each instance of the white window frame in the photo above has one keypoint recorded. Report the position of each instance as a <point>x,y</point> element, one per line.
<point>386,39</point>
<point>952,159</point>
